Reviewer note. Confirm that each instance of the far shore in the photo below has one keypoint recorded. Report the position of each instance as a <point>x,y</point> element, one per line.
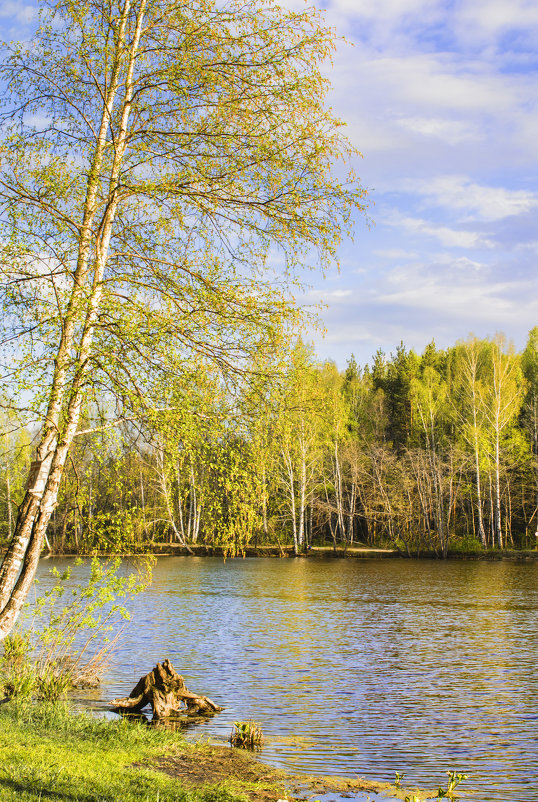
<point>357,552</point>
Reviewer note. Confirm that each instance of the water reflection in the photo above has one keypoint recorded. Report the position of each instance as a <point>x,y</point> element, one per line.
<point>355,667</point>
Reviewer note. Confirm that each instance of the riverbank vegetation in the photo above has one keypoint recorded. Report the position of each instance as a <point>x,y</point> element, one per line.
<point>426,453</point>
<point>48,751</point>
<point>66,636</point>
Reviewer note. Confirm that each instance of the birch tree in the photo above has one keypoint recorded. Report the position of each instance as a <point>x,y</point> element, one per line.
<point>470,358</point>
<point>338,474</point>
<point>505,395</point>
<point>154,155</point>
<point>429,398</point>
<point>529,364</point>
<point>298,434</point>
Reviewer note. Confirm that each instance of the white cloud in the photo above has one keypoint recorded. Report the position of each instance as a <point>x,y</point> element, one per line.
<point>22,12</point>
<point>447,236</point>
<point>37,121</point>
<point>469,22</point>
<point>485,203</point>
<point>531,247</point>
<point>462,291</point>
<point>452,132</point>
<point>395,253</point>
<point>441,99</point>
<point>443,299</point>
<point>383,9</point>
<point>493,17</point>
<point>423,110</point>
<point>328,296</point>
<point>443,82</point>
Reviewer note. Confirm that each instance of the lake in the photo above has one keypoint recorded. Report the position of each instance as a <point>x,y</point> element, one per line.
<point>353,667</point>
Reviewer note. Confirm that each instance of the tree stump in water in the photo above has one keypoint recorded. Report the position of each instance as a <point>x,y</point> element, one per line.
<point>164,689</point>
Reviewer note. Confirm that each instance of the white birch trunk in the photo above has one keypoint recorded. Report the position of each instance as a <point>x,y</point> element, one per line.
<point>20,563</point>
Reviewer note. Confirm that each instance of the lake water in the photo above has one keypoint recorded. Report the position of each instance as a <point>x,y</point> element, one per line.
<point>354,667</point>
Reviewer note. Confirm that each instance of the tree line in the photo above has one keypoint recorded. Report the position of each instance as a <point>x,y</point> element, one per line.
<point>426,453</point>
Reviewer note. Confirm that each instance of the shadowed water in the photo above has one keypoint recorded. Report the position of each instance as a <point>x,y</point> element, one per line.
<point>354,667</point>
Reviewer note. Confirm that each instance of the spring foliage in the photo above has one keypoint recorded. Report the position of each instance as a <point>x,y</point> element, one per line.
<point>166,169</point>
<point>409,452</point>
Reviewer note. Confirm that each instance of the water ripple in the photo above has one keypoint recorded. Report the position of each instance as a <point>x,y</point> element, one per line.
<point>356,667</point>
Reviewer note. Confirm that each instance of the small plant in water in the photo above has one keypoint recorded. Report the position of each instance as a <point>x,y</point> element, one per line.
<point>398,779</point>
<point>246,735</point>
<point>454,779</point>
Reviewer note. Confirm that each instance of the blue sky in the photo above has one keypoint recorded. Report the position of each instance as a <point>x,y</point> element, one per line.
<point>441,98</point>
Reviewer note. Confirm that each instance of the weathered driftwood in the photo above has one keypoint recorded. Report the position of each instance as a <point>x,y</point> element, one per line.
<point>163,688</point>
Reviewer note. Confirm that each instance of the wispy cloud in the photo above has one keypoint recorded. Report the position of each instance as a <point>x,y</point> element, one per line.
<point>442,299</point>
<point>470,200</point>
<point>448,236</point>
<point>441,98</point>
<point>453,132</point>
<point>21,12</point>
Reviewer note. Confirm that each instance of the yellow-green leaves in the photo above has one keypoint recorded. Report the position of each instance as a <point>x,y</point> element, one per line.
<point>156,156</point>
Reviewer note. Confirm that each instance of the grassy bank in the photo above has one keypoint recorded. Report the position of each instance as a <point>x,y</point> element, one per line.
<point>48,753</point>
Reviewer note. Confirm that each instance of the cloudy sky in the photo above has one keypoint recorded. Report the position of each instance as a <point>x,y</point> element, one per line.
<point>441,98</point>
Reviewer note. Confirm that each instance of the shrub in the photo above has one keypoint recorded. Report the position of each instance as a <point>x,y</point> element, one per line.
<point>68,644</point>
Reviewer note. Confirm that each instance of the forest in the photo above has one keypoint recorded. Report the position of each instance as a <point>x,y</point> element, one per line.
<point>426,453</point>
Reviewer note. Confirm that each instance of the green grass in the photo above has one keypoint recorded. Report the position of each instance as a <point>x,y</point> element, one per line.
<point>51,755</point>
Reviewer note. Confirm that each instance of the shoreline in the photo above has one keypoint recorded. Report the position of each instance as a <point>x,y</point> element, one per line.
<point>113,760</point>
<point>224,763</point>
<point>315,553</point>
